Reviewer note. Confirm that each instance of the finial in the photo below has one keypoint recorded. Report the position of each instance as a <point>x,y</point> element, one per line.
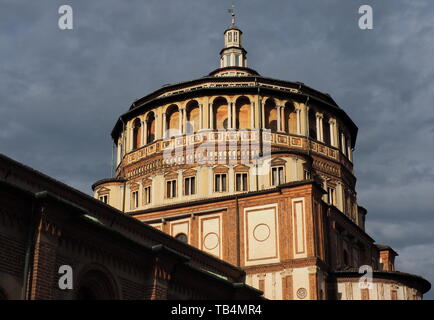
<point>232,12</point>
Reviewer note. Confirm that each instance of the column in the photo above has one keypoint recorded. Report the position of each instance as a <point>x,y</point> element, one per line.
<point>319,127</point>
<point>211,116</point>
<point>343,144</point>
<point>284,121</point>
<point>200,116</point>
<point>230,115</point>
<point>131,137</point>
<point>119,155</point>
<point>184,121</point>
<point>163,135</point>
<point>332,132</point>
<point>180,120</point>
<point>144,133</point>
<point>349,151</point>
<point>298,115</point>
<point>263,114</point>
<point>279,118</point>
<point>252,115</point>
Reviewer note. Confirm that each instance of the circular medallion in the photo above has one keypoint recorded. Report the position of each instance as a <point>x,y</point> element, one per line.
<point>261,232</point>
<point>301,293</point>
<point>211,241</point>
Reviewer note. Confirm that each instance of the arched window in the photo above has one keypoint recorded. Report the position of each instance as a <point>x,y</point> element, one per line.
<point>290,119</point>
<point>270,115</point>
<point>172,120</point>
<point>182,237</point>
<point>136,133</point>
<point>326,129</point>
<point>150,134</point>
<point>95,285</point>
<point>193,114</point>
<point>312,124</point>
<point>346,258</point>
<point>3,295</point>
<point>243,113</point>
<point>220,107</point>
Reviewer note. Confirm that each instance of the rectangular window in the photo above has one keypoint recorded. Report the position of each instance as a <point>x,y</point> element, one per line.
<point>331,195</point>
<point>277,176</point>
<point>103,199</point>
<point>241,182</point>
<point>135,200</point>
<point>220,182</point>
<point>235,36</point>
<point>230,37</point>
<point>237,60</point>
<point>190,186</point>
<point>228,60</point>
<point>171,189</point>
<point>147,195</point>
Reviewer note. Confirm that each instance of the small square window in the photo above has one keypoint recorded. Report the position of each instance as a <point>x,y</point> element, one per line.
<point>171,189</point>
<point>147,195</point>
<point>190,186</point>
<point>104,198</point>
<point>135,199</point>
<point>241,182</point>
<point>220,182</point>
<point>277,176</point>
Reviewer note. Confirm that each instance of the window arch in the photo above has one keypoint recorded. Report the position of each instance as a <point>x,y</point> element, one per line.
<point>326,130</point>
<point>150,124</point>
<point>136,133</point>
<point>243,111</point>
<point>220,112</point>
<point>193,116</point>
<point>95,284</point>
<point>290,118</point>
<point>312,124</point>
<point>270,115</point>
<point>172,120</point>
<point>182,237</point>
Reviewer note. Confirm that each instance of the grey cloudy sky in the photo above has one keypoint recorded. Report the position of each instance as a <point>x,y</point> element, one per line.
<point>62,91</point>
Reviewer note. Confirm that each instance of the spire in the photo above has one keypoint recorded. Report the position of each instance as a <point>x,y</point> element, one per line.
<point>232,12</point>
<point>233,54</point>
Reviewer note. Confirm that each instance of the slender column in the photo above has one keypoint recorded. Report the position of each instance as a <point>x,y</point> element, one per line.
<point>119,154</point>
<point>283,121</point>
<point>230,115</point>
<point>349,151</point>
<point>252,115</point>
<point>144,133</point>
<point>332,132</point>
<point>211,116</point>
<point>180,120</point>
<point>263,115</point>
<point>201,116</point>
<point>131,138</point>
<point>164,126</point>
<point>234,115</point>
<point>343,145</point>
<point>298,115</point>
<point>184,121</point>
<point>319,127</point>
<point>279,118</point>
<point>306,120</point>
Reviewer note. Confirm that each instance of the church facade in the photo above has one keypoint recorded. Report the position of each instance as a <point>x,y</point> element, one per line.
<point>257,172</point>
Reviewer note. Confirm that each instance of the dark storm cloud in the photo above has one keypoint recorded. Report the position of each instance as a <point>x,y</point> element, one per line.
<point>62,91</point>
